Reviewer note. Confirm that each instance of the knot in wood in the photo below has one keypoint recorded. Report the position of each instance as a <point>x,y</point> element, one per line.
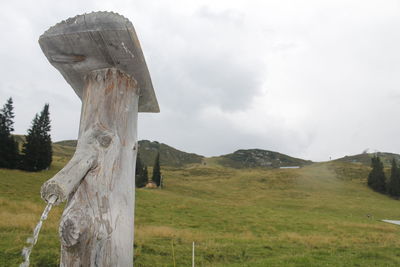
<point>73,227</point>
<point>104,140</point>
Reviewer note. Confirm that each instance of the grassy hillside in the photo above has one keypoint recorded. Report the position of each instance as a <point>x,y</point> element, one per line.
<point>169,156</point>
<point>244,158</point>
<point>252,158</point>
<point>148,150</point>
<point>19,138</point>
<point>313,216</point>
<point>63,149</point>
<point>365,158</point>
<point>65,143</point>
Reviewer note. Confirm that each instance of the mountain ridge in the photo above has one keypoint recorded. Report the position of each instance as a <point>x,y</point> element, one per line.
<point>365,158</point>
<point>242,158</point>
<point>253,158</point>
<point>169,156</point>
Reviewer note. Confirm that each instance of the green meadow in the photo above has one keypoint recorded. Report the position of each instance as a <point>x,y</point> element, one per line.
<point>319,215</point>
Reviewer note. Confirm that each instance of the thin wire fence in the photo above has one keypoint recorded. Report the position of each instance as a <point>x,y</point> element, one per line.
<point>179,252</point>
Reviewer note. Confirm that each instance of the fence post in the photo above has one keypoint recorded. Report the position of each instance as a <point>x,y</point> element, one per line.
<point>193,254</point>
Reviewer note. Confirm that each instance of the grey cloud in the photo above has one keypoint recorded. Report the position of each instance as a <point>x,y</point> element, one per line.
<point>204,66</point>
<point>331,74</point>
<point>224,16</point>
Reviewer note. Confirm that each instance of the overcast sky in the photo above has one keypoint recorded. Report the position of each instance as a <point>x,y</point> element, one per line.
<point>312,79</point>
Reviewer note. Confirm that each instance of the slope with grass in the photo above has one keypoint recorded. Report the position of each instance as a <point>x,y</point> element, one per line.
<point>365,158</point>
<point>148,150</point>
<point>254,158</point>
<point>169,156</point>
<point>312,216</point>
<point>62,149</point>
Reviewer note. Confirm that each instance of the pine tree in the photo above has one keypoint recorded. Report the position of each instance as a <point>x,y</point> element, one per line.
<point>376,178</point>
<point>45,127</point>
<point>394,182</point>
<point>37,149</point>
<point>156,171</point>
<point>31,151</point>
<point>141,177</point>
<point>371,175</point>
<point>138,169</point>
<point>145,176</point>
<point>8,146</point>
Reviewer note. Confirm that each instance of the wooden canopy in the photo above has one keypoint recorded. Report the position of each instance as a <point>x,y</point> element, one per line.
<point>96,41</point>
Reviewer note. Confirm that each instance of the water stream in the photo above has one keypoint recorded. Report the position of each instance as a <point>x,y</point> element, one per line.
<point>31,241</point>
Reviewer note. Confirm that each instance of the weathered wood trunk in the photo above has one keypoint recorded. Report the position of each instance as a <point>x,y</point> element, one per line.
<point>99,55</point>
<point>98,222</point>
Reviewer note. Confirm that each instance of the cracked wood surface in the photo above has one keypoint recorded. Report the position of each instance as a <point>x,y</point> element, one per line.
<point>96,227</point>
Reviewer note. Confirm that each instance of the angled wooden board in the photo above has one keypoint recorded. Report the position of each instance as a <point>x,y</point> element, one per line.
<point>96,41</point>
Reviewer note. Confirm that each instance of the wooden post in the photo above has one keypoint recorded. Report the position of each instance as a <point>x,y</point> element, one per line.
<point>97,224</point>
<point>100,57</point>
<point>193,254</point>
<point>173,253</point>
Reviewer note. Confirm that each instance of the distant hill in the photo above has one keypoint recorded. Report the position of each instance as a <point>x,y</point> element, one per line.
<point>365,158</point>
<point>251,158</point>
<point>147,151</point>
<point>243,158</point>
<point>19,138</point>
<point>168,155</point>
<point>62,149</point>
<point>71,143</point>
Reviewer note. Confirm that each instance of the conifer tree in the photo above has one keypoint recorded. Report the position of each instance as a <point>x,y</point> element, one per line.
<point>376,178</point>
<point>139,166</point>
<point>141,177</point>
<point>37,149</point>
<point>30,149</point>
<point>371,175</point>
<point>8,146</point>
<point>45,128</point>
<point>156,171</point>
<point>394,182</point>
<point>145,176</point>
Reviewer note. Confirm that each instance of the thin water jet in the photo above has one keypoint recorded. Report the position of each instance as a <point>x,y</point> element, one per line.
<point>31,241</point>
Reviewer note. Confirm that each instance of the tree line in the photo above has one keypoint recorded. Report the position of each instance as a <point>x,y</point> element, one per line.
<point>36,152</point>
<point>377,178</point>
<point>142,176</point>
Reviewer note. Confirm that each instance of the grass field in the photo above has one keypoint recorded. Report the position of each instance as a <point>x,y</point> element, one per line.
<point>313,216</point>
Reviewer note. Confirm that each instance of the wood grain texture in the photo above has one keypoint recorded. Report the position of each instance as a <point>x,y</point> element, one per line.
<point>95,41</point>
<point>96,228</point>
